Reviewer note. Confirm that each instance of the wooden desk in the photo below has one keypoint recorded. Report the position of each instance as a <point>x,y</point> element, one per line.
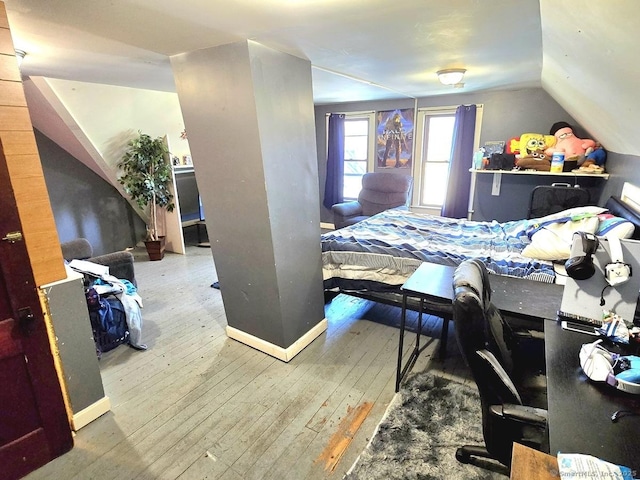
<point>579,410</point>
<point>512,296</point>
<point>530,464</point>
<point>526,298</point>
<point>431,284</point>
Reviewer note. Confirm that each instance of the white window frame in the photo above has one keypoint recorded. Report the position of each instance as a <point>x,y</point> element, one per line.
<point>419,138</point>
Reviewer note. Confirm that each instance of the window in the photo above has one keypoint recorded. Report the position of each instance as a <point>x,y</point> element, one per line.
<point>436,153</point>
<point>357,152</point>
<point>436,125</point>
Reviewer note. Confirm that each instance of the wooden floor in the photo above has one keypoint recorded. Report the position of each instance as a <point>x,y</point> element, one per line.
<point>199,405</point>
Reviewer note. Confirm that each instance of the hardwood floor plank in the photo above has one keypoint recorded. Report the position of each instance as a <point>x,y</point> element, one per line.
<point>158,436</point>
<point>208,467</point>
<point>198,405</point>
<point>366,390</point>
<point>297,405</point>
<point>251,394</point>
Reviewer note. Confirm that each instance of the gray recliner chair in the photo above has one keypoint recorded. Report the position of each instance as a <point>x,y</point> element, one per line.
<point>380,191</point>
<point>120,263</point>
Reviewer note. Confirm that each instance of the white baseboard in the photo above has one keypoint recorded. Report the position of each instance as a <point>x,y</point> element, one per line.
<point>89,414</point>
<point>329,226</point>
<point>284,354</point>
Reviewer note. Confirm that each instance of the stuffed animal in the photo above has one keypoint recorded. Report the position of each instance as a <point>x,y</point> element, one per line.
<point>513,145</point>
<point>597,157</point>
<point>541,164</point>
<point>534,144</point>
<point>573,147</point>
<point>531,154</point>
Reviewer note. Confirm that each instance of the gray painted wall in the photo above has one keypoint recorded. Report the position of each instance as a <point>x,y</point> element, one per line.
<point>507,114</point>
<point>84,205</point>
<point>622,168</point>
<point>248,111</point>
<point>515,194</point>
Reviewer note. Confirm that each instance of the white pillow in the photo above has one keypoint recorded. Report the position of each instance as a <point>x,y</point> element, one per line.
<point>553,241</point>
<point>572,212</point>
<point>610,224</point>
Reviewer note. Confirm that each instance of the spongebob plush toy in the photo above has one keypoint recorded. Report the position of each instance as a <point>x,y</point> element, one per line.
<point>535,144</point>
<point>531,151</point>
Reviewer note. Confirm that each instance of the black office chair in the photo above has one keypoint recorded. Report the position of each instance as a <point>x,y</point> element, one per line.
<point>487,344</point>
<point>548,199</point>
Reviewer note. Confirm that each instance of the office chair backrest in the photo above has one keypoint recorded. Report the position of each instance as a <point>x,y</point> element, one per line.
<point>383,190</point>
<point>496,390</point>
<point>484,326</point>
<point>481,332</point>
<point>548,199</point>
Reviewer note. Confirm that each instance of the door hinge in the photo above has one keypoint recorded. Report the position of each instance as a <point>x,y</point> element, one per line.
<point>13,237</point>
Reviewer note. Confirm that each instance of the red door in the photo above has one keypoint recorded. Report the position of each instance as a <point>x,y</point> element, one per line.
<point>34,426</point>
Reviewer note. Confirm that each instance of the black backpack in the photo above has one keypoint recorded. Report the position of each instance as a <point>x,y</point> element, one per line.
<point>108,321</point>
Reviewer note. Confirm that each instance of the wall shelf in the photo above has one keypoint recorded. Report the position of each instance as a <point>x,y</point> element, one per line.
<point>504,195</point>
<point>536,172</point>
<point>178,169</point>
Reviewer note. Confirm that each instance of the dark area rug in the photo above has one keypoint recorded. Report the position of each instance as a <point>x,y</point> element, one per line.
<point>428,420</point>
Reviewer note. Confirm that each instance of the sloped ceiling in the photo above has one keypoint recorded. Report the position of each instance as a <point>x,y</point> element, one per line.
<point>580,51</point>
<point>591,68</point>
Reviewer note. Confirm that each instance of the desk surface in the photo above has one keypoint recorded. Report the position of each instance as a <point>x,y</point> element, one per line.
<point>579,410</point>
<point>516,296</point>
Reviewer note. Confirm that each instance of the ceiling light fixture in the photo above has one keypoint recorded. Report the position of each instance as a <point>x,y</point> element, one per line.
<point>451,76</point>
<point>20,54</point>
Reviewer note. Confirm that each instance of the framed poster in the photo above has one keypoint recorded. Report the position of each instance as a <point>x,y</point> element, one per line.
<point>394,138</point>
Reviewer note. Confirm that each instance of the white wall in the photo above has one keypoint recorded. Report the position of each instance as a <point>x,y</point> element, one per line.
<point>103,118</point>
<point>590,66</point>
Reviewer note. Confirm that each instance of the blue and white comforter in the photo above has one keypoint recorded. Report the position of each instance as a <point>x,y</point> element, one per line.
<point>389,247</point>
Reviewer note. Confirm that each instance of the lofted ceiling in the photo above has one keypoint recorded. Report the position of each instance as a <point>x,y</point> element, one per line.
<point>359,49</point>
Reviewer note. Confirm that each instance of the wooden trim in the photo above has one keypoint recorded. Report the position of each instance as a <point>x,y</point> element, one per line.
<point>12,93</point>
<point>6,43</point>
<point>26,178</point>
<point>8,68</point>
<point>4,20</point>
<point>89,414</point>
<point>530,464</point>
<point>284,354</point>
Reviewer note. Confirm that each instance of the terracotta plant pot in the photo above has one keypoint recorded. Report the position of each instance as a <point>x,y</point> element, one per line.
<point>155,248</point>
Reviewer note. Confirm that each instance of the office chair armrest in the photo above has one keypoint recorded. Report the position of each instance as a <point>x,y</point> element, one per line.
<point>527,334</point>
<point>521,413</point>
<point>347,209</point>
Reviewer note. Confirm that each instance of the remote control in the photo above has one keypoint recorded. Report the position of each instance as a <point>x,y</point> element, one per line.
<point>578,318</point>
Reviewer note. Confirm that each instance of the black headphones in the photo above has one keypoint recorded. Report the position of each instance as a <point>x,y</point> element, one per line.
<point>581,266</point>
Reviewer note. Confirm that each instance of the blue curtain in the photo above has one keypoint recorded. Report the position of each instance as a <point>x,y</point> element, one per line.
<point>456,203</point>
<point>334,183</point>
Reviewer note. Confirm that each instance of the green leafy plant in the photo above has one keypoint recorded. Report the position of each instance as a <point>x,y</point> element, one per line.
<point>146,177</point>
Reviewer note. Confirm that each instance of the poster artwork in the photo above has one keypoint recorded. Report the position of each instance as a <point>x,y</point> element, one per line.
<point>394,138</point>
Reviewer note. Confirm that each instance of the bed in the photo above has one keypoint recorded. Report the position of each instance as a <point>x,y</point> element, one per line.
<point>376,256</point>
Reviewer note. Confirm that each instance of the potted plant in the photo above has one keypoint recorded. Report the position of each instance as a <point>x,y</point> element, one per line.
<point>146,178</point>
